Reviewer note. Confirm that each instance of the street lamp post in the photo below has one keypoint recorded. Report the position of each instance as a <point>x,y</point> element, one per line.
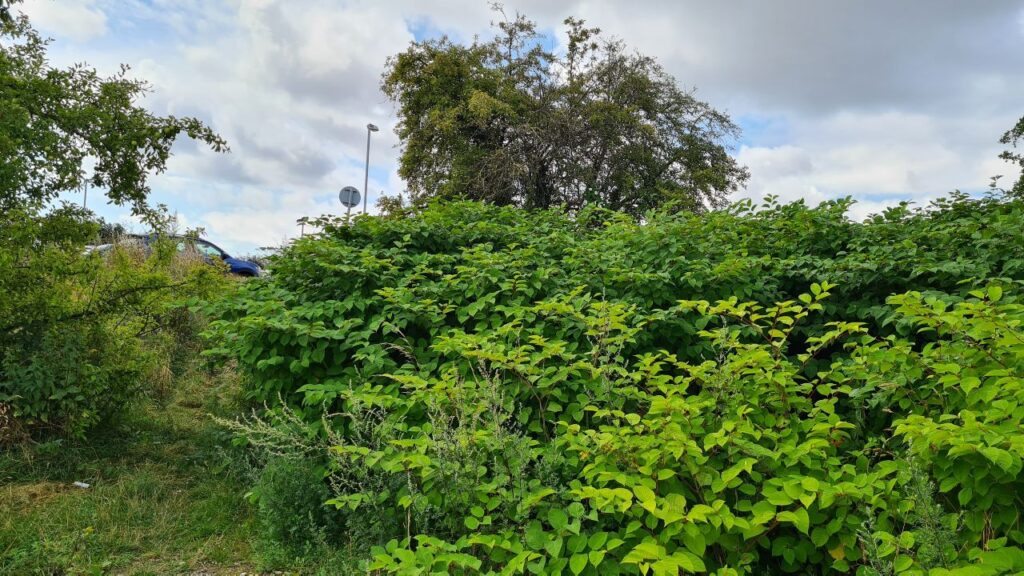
<point>366,177</point>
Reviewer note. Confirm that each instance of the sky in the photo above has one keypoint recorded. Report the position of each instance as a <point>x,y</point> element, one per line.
<point>882,101</point>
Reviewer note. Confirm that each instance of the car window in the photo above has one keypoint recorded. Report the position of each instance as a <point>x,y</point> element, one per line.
<point>209,250</point>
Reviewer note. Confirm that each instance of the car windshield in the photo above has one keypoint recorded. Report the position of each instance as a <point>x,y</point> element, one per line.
<point>204,248</point>
<point>209,250</point>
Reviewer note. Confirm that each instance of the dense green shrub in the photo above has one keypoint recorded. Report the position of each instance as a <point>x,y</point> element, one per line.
<point>81,335</point>
<point>290,497</point>
<point>753,391</point>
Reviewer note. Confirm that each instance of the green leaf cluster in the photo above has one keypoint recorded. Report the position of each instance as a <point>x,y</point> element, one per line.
<point>1013,137</point>
<point>52,120</point>
<point>83,334</point>
<point>763,389</point>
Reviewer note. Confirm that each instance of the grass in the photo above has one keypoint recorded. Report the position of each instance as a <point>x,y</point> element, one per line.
<point>165,496</point>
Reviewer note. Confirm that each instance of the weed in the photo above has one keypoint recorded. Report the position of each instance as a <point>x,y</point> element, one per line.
<point>290,497</point>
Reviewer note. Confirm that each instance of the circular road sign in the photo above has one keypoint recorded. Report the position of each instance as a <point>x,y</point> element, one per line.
<point>349,196</point>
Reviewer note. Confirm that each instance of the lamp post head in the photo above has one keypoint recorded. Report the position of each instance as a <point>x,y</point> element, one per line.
<point>372,127</point>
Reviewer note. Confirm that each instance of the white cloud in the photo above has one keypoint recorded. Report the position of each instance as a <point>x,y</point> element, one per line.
<point>889,155</point>
<point>79,20</point>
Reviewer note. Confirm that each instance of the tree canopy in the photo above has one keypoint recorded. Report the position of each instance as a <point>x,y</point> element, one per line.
<point>510,122</point>
<point>61,129</point>
<point>1013,137</point>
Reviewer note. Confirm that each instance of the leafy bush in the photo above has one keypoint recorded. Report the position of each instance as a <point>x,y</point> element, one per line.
<point>290,497</point>
<point>81,335</point>
<point>754,391</point>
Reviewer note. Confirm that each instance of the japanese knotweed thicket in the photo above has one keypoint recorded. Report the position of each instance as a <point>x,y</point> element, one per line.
<point>773,389</point>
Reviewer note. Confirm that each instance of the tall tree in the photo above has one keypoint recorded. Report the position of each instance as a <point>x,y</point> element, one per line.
<point>1013,137</point>
<point>509,122</point>
<point>54,123</point>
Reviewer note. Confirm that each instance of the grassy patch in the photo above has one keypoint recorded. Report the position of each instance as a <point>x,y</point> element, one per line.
<point>164,497</point>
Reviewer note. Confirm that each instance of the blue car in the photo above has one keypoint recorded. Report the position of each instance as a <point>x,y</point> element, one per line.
<point>208,250</point>
<point>211,253</point>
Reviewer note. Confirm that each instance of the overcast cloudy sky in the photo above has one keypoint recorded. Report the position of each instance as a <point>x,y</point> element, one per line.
<point>880,100</point>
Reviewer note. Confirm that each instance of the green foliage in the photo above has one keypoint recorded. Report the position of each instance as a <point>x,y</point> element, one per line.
<point>759,390</point>
<point>290,497</point>
<point>81,335</point>
<point>52,119</point>
<point>505,121</point>
<point>1013,137</point>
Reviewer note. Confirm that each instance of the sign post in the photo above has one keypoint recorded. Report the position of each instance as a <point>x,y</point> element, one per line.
<point>349,197</point>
